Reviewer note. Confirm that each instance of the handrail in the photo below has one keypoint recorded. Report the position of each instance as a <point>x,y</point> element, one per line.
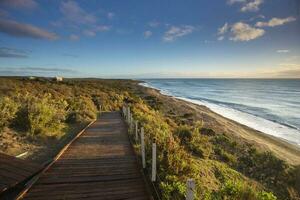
<point>153,176</point>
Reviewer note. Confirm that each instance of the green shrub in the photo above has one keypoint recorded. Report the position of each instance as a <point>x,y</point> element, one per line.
<point>172,188</point>
<point>238,190</point>
<point>81,110</point>
<point>8,109</point>
<point>184,133</point>
<point>200,145</point>
<point>266,196</point>
<point>42,115</point>
<point>225,156</point>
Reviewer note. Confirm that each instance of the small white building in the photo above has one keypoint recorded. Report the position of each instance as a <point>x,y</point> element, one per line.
<point>59,78</point>
<point>31,77</point>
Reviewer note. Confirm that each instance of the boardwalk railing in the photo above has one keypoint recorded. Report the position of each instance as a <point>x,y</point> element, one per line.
<point>136,130</point>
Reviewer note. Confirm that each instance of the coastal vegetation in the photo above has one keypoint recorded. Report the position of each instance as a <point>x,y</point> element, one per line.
<point>222,166</point>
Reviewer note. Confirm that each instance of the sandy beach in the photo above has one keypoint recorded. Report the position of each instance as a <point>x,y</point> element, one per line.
<point>173,106</point>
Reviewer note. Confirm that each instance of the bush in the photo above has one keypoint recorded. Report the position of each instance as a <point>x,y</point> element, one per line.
<point>238,190</point>
<point>184,133</point>
<point>8,109</point>
<point>81,110</point>
<point>200,145</point>
<point>266,196</point>
<point>172,188</point>
<point>42,115</point>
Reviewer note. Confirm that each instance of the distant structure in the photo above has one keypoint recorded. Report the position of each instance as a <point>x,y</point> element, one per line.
<point>59,78</point>
<point>31,78</point>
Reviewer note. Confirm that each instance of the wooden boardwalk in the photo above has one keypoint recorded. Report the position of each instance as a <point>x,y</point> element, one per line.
<point>100,164</point>
<point>14,170</point>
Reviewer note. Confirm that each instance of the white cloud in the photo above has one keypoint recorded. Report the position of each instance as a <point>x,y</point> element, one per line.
<point>75,14</point>
<point>175,32</point>
<point>247,5</point>
<point>283,51</point>
<point>244,32</point>
<point>147,34</point>
<point>223,29</point>
<point>20,4</point>
<point>89,33</point>
<point>236,1</point>
<point>102,28</point>
<point>153,24</point>
<point>110,15</point>
<point>220,38</point>
<point>252,6</point>
<point>17,29</point>
<point>275,22</point>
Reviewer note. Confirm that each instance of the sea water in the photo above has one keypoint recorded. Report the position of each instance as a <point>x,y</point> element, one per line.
<point>271,106</point>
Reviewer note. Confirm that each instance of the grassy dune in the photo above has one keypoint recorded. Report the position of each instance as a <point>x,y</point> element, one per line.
<point>227,160</point>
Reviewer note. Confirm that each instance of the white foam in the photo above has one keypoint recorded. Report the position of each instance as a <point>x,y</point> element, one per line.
<point>260,124</point>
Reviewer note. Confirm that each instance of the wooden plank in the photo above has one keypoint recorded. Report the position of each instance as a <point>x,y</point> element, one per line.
<point>14,170</point>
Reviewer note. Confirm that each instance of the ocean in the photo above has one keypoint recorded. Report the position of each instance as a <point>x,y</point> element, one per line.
<point>271,106</point>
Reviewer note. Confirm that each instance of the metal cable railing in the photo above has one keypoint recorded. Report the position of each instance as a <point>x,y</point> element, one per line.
<point>137,134</point>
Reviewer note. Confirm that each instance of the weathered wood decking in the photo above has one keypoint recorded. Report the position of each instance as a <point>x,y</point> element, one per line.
<point>14,171</point>
<point>100,164</point>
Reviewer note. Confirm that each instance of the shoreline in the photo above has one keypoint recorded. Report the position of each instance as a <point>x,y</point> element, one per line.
<point>285,132</point>
<point>279,146</point>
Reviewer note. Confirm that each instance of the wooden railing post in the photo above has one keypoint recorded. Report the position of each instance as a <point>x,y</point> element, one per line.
<point>124,112</point>
<point>143,148</point>
<point>128,114</point>
<point>190,187</point>
<point>136,131</point>
<point>153,177</point>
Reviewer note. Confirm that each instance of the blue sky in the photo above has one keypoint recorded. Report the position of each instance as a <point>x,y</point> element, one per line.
<point>145,39</point>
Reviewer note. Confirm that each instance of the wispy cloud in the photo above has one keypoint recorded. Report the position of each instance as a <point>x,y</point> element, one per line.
<point>75,14</point>
<point>147,34</point>
<point>175,32</point>
<point>89,33</point>
<point>252,6</point>
<point>36,71</point>
<point>283,51</point>
<point>92,32</point>
<point>153,24</point>
<point>102,28</point>
<point>111,15</point>
<point>275,22</point>
<point>74,37</point>
<point>20,4</point>
<point>236,1</point>
<point>82,21</point>
<point>6,52</point>
<point>17,29</point>
<point>223,29</point>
